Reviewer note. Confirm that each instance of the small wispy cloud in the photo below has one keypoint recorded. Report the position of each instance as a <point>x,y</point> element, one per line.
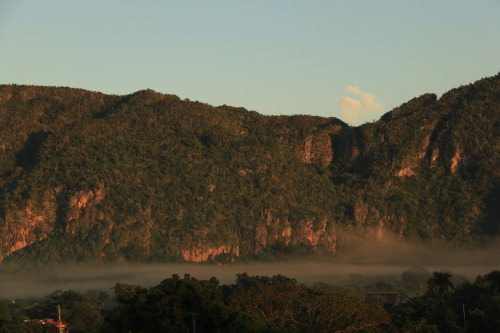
<point>363,107</point>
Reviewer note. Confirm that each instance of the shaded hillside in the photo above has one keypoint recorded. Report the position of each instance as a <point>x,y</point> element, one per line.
<point>88,176</point>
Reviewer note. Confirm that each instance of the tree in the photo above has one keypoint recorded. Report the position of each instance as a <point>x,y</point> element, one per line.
<point>493,278</point>
<point>278,299</point>
<point>4,312</point>
<point>435,311</point>
<point>416,276</point>
<point>440,282</point>
<point>286,304</point>
<point>82,316</point>
<point>28,327</point>
<point>175,305</point>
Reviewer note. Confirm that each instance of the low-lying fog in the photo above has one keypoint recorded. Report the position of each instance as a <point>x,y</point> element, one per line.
<point>382,262</point>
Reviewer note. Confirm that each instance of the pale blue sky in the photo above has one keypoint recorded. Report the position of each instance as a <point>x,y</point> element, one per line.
<point>274,57</point>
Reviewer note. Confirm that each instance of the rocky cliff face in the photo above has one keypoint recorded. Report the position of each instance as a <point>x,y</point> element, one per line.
<point>27,225</point>
<point>23,227</point>
<point>85,176</point>
<point>318,149</point>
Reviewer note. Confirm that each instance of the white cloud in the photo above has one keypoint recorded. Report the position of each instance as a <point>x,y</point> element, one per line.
<point>350,108</point>
<point>364,107</point>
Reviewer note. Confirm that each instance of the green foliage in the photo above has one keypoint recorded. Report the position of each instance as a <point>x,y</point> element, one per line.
<point>80,314</point>
<point>175,174</point>
<point>28,327</point>
<point>286,304</point>
<point>173,305</point>
<point>4,312</point>
<point>470,307</point>
<point>248,323</point>
<point>258,304</point>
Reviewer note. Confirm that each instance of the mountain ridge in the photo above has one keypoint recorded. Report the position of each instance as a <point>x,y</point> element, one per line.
<point>86,176</point>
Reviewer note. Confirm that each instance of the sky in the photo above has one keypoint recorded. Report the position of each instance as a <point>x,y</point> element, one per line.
<point>354,60</point>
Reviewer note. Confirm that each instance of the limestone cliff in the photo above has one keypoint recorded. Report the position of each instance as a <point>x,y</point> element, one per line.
<point>27,225</point>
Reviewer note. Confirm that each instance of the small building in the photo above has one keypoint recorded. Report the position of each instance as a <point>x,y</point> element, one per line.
<point>63,327</point>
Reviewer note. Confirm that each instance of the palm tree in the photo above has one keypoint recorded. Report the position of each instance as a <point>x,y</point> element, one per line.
<point>440,282</point>
<point>494,280</point>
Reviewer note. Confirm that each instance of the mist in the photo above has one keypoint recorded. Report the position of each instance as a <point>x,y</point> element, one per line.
<point>382,260</point>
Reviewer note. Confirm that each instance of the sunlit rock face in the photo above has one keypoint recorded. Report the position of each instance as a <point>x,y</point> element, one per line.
<point>26,225</point>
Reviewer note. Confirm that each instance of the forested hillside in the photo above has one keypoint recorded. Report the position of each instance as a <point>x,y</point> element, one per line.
<point>150,177</point>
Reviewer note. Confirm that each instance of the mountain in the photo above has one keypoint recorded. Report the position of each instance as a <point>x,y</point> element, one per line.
<point>86,176</point>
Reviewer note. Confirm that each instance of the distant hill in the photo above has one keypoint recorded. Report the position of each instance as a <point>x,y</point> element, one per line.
<point>86,176</point>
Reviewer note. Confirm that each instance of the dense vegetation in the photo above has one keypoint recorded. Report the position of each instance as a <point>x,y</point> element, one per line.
<point>263,304</point>
<point>149,177</point>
